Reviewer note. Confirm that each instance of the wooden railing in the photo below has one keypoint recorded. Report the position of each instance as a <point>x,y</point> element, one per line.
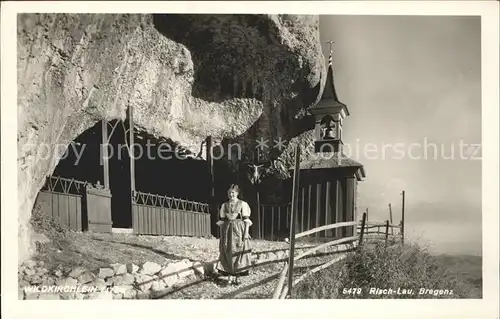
<point>281,291</point>
<point>358,230</point>
<point>363,228</point>
<point>382,231</point>
<point>69,201</point>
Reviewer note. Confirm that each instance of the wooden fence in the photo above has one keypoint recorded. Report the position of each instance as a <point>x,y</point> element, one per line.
<point>62,199</point>
<point>78,205</point>
<point>161,215</point>
<point>281,291</point>
<point>358,230</point>
<point>67,208</point>
<point>364,230</point>
<point>274,221</point>
<point>378,231</point>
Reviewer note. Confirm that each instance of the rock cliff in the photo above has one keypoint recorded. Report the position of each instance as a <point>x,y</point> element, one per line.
<point>235,77</point>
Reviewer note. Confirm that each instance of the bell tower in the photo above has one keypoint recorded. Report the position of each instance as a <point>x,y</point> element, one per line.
<point>329,184</point>
<point>329,115</point>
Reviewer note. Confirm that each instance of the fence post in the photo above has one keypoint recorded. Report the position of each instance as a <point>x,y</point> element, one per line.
<point>104,154</point>
<point>257,220</point>
<point>131,145</point>
<point>281,281</point>
<point>386,231</point>
<point>213,207</point>
<point>363,221</point>
<point>279,219</point>
<point>263,220</point>
<point>390,217</point>
<point>403,219</point>
<point>295,202</point>
<point>272,223</point>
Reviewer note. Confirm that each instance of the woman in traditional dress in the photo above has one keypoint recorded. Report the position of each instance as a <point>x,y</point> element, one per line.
<point>234,245</point>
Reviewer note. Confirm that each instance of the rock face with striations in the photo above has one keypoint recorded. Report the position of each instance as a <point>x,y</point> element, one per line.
<point>235,77</point>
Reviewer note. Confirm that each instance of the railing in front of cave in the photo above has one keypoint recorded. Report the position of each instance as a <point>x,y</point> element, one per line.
<point>154,214</point>
<point>78,205</point>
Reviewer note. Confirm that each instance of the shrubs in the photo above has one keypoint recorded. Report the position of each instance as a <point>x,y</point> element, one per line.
<point>375,266</point>
<point>49,226</point>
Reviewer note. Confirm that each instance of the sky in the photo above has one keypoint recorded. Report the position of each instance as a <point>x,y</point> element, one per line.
<point>413,88</point>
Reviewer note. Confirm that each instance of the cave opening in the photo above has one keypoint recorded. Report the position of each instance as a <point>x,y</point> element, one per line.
<point>160,168</point>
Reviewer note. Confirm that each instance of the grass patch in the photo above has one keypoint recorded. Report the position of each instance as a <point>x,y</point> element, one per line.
<point>393,267</point>
<point>67,249</point>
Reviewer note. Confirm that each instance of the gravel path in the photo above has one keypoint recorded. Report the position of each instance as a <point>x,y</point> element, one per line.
<point>94,250</point>
<point>259,284</point>
<point>178,248</point>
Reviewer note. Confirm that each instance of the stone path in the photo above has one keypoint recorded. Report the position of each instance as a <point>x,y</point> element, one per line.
<point>259,284</point>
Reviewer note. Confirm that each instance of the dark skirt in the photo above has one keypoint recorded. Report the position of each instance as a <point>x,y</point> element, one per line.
<point>235,256</point>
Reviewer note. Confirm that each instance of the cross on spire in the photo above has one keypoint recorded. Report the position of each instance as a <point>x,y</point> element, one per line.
<point>329,92</point>
<point>330,58</point>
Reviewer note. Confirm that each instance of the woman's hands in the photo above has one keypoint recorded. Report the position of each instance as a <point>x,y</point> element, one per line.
<point>248,222</point>
<point>246,233</point>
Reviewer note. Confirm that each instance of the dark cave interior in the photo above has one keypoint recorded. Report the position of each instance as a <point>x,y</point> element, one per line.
<point>157,171</point>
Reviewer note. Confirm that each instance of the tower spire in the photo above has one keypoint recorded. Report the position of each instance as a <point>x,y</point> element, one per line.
<point>329,91</point>
<point>330,58</point>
